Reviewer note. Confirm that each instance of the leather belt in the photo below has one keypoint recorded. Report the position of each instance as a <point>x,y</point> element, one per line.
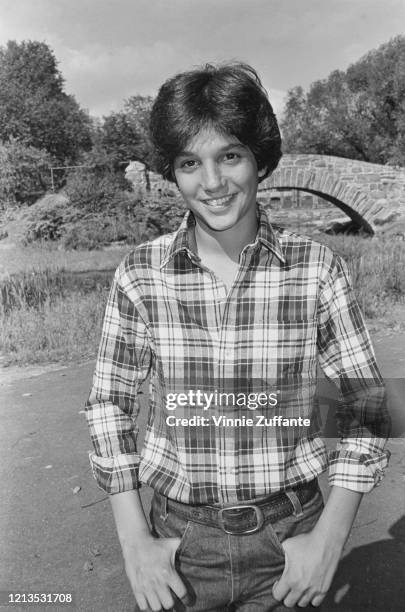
<point>248,517</point>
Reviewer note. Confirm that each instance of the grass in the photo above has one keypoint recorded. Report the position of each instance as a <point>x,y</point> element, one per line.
<point>16,259</point>
<point>64,329</point>
<point>377,268</point>
<point>51,312</point>
<point>31,290</point>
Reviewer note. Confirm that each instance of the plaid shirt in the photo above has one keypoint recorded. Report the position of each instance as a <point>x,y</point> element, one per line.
<point>290,307</point>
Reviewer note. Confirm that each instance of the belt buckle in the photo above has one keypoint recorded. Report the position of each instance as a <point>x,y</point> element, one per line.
<point>258,513</point>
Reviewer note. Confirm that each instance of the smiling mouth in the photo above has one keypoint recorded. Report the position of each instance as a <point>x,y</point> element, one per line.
<point>219,202</point>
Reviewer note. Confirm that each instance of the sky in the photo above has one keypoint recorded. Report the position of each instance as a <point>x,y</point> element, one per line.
<point>109,50</point>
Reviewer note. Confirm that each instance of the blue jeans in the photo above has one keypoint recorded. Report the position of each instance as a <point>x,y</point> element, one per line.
<point>232,572</point>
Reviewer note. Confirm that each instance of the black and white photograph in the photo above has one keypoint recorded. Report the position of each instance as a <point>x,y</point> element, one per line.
<point>202,304</point>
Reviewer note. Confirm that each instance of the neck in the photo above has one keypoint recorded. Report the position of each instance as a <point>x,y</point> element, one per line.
<point>228,243</point>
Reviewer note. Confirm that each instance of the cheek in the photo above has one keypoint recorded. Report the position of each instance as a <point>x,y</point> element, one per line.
<point>248,180</point>
<point>246,175</point>
<point>186,186</point>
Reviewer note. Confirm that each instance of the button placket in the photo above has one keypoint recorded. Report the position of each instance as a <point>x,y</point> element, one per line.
<point>228,478</point>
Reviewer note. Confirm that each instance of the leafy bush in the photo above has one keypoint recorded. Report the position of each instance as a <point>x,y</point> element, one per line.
<point>132,217</point>
<point>91,233</point>
<point>160,214</point>
<point>24,173</point>
<point>92,191</point>
<point>47,218</point>
<point>93,210</point>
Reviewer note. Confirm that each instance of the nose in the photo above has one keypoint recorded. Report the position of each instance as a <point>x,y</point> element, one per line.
<point>212,178</point>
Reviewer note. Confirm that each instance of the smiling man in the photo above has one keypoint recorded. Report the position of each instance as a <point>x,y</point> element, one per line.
<point>229,303</point>
<point>218,178</point>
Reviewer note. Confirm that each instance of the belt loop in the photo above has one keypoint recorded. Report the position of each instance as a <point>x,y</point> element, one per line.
<point>163,509</point>
<point>295,502</point>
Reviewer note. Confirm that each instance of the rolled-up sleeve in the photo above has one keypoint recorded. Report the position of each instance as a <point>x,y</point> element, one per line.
<point>347,358</point>
<point>123,363</point>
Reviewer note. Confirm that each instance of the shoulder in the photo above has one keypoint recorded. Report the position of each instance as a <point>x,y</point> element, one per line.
<point>304,250</point>
<point>312,262</point>
<point>144,259</point>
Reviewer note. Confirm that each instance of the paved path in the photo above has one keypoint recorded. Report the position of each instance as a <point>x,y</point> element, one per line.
<point>54,539</point>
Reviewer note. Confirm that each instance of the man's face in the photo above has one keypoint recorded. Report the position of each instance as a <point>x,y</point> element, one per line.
<point>217,177</point>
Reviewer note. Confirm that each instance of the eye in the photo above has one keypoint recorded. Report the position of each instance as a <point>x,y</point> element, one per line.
<point>232,157</point>
<point>188,164</point>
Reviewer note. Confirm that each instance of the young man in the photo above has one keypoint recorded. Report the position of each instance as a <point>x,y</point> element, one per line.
<point>228,304</point>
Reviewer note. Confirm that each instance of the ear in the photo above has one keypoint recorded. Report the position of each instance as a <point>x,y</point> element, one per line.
<point>262,173</point>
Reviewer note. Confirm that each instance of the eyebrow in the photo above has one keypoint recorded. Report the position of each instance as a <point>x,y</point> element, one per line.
<point>238,145</point>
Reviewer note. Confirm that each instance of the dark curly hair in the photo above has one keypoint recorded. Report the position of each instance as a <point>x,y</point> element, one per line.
<point>229,98</point>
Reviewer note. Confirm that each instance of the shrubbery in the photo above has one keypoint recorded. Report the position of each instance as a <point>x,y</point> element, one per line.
<point>24,173</point>
<point>95,231</point>
<point>47,219</point>
<point>94,211</point>
<point>93,191</point>
<point>133,217</point>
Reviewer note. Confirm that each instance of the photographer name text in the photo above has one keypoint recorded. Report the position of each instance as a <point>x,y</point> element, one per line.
<point>258,420</point>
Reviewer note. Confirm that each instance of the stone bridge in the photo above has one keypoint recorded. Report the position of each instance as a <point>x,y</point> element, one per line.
<point>372,195</point>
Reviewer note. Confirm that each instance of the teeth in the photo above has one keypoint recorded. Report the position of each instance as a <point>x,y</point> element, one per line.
<point>219,201</point>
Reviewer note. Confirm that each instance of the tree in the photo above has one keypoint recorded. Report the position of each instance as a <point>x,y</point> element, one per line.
<point>119,139</point>
<point>138,109</point>
<point>125,135</point>
<point>357,114</point>
<point>33,105</point>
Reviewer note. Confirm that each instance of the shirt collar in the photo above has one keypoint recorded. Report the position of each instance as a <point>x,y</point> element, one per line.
<point>181,243</point>
<point>266,234</point>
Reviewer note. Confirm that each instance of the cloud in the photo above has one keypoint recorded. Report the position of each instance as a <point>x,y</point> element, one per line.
<point>110,75</point>
<point>110,49</point>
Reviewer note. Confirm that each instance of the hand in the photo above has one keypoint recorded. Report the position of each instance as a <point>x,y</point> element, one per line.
<point>310,564</point>
<point>150,567</point>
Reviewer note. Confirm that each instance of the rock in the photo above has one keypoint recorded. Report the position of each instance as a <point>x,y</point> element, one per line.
<point>88,566</point>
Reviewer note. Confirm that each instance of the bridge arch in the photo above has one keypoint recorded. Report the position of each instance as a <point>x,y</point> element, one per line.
<point>370,194</point>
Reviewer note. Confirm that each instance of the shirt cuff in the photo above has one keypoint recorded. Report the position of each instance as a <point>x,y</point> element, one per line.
<point>359,472</point>
<point>115,474</point>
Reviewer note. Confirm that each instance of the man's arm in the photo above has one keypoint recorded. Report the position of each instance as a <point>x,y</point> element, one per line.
<point>347,358</point>
<point>311,559</point>
<point>123,363</point>
<point>149,561</point>
<point>356,466</point>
